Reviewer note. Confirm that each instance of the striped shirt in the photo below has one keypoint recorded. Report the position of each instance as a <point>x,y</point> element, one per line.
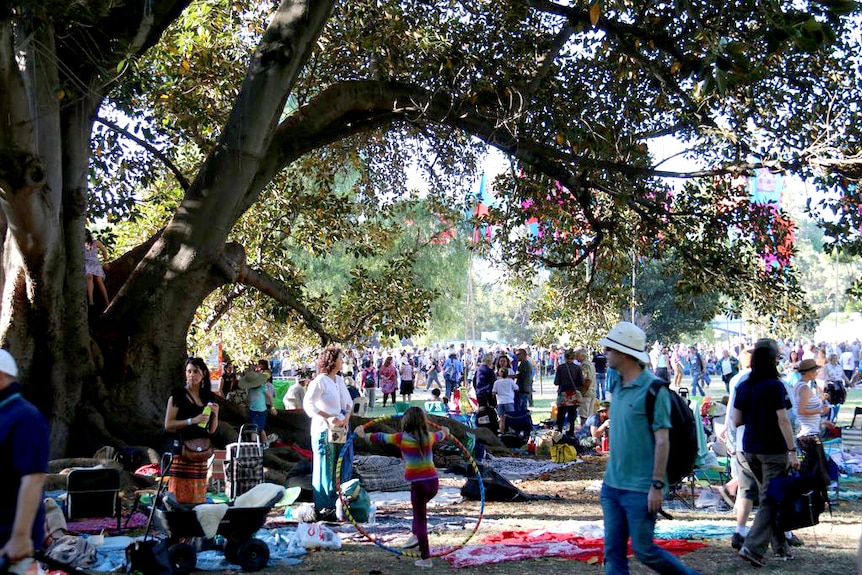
<point>418,463</point>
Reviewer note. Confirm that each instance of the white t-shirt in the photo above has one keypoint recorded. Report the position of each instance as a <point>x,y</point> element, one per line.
<point>504,389</point>
<point>847,363</point>
<point>734,434</point>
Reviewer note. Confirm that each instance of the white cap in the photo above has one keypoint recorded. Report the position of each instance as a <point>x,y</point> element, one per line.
<point>7,363</point>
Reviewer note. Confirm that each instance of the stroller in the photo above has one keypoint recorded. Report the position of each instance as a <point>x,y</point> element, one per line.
<point>238,527</point>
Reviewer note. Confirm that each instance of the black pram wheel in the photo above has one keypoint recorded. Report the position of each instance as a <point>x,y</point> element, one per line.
<point>231,546</point>
<point>183,558</point>
<point>252,555</point>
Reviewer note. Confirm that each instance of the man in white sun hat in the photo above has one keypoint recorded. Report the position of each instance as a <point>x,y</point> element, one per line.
<point>635,478</point>
<point>24,450</point>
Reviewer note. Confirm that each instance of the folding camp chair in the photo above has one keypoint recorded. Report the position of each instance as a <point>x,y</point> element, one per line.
<point>851,435</point>
<point>436,408</point>
<point>93,492</point>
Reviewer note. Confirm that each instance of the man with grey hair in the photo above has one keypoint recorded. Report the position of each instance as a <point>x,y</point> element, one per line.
<point>587,407</point>
<point>24,448</point>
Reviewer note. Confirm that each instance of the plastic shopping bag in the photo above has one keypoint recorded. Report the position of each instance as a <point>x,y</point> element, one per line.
<point>317,536</point>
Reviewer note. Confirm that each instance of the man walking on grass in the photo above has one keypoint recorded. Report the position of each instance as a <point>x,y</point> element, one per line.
<point>635,480</point>
<point>24,452</point>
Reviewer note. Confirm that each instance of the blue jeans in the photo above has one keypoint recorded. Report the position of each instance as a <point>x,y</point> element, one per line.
<point>626,515</point>
<point>833,412</point>
<point>522,402</point>
<point>600,386</point>
<point>697,379</point>
<point>451,384</point>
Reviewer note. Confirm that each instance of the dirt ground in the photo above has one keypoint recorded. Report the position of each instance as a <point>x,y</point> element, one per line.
<point>829,547</point>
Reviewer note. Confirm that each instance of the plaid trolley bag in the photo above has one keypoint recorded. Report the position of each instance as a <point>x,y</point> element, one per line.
<point>243,464</point>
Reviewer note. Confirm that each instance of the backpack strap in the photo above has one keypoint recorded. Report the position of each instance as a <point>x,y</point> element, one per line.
<point>651,396</point>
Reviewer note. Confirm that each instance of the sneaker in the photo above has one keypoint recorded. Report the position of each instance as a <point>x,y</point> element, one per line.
<point>737,541</point>
<point>725,494</point>
<point>784,554</point>
<point>795,541</point>
<point>271,438</point>
<point>752,557</point>
<point>410,543</point>
<point>423,563</point>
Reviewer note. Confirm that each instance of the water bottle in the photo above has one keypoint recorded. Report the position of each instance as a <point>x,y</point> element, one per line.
<point>207,411</point>
<point>606,443</point>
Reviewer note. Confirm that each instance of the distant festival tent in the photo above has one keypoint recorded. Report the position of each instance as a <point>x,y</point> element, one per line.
<point>838,327</point>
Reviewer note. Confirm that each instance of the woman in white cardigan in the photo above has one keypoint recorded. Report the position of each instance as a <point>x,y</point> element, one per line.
<point>328,403</point>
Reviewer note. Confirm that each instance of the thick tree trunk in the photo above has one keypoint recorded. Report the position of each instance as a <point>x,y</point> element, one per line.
<point>113,388</point>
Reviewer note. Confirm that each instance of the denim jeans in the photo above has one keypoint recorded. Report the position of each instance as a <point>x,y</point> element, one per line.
<point>626,515</point>
<point>451,384</point>
<point>600,386</point>
<point>698,382</point>
<point>522,401</point>
<point>833,412</point>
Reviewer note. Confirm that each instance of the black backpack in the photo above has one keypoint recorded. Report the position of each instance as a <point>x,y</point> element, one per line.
<point>369,379</point>
<point>682,433</point>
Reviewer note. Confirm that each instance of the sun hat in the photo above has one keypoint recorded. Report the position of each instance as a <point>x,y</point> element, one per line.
<point>7,363</point>
<point>806,365</point>
<point>767,343</point>
<point>604,406</point>
<point>627,338</point>
<point>252,379</point>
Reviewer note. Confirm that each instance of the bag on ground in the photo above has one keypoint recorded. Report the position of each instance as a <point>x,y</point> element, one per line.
<point>317,536</point>
<point>563,453</point>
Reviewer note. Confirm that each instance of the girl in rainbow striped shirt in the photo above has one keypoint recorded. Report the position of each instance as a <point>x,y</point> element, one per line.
<point>416,444</point>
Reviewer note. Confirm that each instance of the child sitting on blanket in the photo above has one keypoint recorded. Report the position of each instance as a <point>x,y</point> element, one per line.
<point>416,444</point>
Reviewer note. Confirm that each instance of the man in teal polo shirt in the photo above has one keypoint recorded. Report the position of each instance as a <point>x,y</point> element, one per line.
<point>635,480</point>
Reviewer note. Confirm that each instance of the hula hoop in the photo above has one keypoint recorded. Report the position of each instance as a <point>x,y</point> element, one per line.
<point>370,537</point>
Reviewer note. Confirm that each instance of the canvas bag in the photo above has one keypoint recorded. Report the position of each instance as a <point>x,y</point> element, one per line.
<point>563,453</point>
<point>243,464</point>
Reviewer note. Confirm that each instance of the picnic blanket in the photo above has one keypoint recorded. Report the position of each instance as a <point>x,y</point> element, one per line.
<point>519,545</point>
<point>108,524</point>
<point>522,468</point>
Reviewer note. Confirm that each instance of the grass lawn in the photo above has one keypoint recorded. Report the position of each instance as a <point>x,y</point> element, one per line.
<point>542,401</point>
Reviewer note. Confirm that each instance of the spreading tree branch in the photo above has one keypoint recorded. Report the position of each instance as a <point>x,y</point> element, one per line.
<point>184,183</point>
<point>266,284</point>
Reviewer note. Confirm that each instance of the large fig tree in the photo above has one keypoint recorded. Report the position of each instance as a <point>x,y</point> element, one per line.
<point>306,90</point>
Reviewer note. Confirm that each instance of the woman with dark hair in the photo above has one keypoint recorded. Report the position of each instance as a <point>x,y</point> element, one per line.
<point>388,379</point>
<point>192,414</point>
<point>328,403</point>
<point>503,361</point>
<point>768,446</point>
<point>484,381</point>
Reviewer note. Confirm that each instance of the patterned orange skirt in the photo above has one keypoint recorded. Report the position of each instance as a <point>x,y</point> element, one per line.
<point>188,480</point>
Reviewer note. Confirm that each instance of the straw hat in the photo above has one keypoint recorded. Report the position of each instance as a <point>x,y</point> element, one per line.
<point>252,379</point>
<point>806,365</point>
